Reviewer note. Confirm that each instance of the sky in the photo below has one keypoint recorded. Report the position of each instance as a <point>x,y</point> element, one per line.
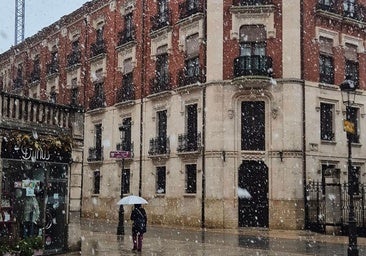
<point>38,14</point>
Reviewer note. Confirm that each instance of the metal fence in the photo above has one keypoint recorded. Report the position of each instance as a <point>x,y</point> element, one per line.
<point>328,205</point>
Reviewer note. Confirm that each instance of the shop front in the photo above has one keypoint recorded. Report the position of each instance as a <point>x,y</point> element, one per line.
<point>34,189</point>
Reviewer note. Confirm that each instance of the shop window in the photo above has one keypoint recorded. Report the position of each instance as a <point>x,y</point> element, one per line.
<point>160,180</point>
<point>191,179</point>
<point>326,121</point>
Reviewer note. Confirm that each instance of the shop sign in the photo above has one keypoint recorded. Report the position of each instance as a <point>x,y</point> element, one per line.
<point>35,154</point>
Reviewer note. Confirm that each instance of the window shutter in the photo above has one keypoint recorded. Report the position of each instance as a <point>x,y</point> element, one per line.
<point>127,66</point>
<point>326,45</point>
<point>350,52</point>
<point>192,46</point>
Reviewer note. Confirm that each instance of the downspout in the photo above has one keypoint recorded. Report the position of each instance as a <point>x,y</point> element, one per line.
<point>306,213</point>
<point>203,224</point>
<point>142,91</point>
<point>85,79</point>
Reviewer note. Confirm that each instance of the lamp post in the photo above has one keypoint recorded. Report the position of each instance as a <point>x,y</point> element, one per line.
<point>121,212</point>
<point>348,90</point>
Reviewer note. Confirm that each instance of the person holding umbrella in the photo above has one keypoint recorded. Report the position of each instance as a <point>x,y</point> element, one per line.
<point>139,218</point>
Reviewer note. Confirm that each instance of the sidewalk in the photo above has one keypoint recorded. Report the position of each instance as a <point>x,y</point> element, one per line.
<point>99,238</point>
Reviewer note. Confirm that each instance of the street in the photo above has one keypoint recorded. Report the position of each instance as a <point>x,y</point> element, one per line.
<point>99,238</point>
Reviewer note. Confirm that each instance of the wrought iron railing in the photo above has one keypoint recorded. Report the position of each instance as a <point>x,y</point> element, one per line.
<point>328,205</point>
<point>187,77</point>
<point>52,68</point>
<point>159,146</point>
<point>97,48</point>
<point>189,142</point>
<point>190,7</point>
<point>160,83</point>
<point>126,35</point>
<point>161,20</point>
<point>73,58</point>
<point>259,65</point>
<point>95,154</point>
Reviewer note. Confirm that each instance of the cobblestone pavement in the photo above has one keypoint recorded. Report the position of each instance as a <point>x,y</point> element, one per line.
<point>99,238</point>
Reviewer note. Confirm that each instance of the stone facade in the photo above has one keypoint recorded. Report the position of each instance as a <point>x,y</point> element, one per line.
<point>151,46</point>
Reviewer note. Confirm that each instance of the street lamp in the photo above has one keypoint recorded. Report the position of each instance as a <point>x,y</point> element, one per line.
<point>348,90</point>
<point>121,212</point>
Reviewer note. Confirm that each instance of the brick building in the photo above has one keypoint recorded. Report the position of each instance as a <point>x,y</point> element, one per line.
<point>212,98</point>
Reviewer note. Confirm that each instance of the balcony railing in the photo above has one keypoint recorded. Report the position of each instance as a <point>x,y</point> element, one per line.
<point>98,101</point>
<point>52,68</point>
<point>160,83</point>
<point>126,35</point>
<point>159,146</point>
<point>190,7</point>
<point>161,20</point>
<point>95,154</point>
<point>346,8</point>
<point>28,110</point>
<point>35,76</point>
<point>73,58</point>
<point>125,93</point>
<point>255,65</point>
<point>187,77</point>
<point>18,83</point>
<point>97,48</point>
<point>251,2</point>
<point>125,146</point>
<point>189,142</point>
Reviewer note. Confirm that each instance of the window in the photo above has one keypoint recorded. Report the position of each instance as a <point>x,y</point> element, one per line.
<point>162,63</point>
<point>126,134</point>
<point>253,125</point>
<point>96,182</point>
<point>349,7</point>
<point>162,131</point>
<point>53,95</point>
<point>326,72</point>
<point>351,56</point>
<point>252,40</point>
<point>191,127</point>
<point>326,62</point>
<point>192,57</point>
<point>163,10</point>
<point>160,180</point>
<point>99,32</point>
<point>126,181</point>
<point>353,117</point>
<point>128,25</point>
<point>74,91</point>
<point>327,5</point>
<point>326,121</point>
<point>191,179</point>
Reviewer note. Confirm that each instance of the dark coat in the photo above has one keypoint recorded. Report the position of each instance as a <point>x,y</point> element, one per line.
<point>139,218</point>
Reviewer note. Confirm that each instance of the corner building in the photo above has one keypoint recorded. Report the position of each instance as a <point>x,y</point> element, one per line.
<point>231,109</point>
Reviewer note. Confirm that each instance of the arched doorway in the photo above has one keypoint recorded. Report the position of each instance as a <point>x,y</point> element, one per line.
<point>253,194</point>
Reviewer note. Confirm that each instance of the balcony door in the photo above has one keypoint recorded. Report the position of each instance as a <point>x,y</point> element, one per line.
<point>162,131</point>
<point>191,127</point>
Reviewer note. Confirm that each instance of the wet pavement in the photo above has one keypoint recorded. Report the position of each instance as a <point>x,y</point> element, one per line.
<point>99,238</point>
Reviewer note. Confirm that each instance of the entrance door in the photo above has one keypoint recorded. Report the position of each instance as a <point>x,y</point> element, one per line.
<point>56,208</point>
<point>253,194</point>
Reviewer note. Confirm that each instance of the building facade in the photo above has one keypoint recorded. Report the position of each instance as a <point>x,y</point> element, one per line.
<point>231,109</point>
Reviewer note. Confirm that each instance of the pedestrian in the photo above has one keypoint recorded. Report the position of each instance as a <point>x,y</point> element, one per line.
<point>139,218</point>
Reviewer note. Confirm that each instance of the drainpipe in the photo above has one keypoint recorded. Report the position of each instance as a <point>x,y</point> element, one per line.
<point>203,224</point>
<point>142,91</point>
<point>306,213</point>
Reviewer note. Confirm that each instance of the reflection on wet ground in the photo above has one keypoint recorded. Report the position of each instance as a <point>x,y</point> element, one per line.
<point>99,238</point>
